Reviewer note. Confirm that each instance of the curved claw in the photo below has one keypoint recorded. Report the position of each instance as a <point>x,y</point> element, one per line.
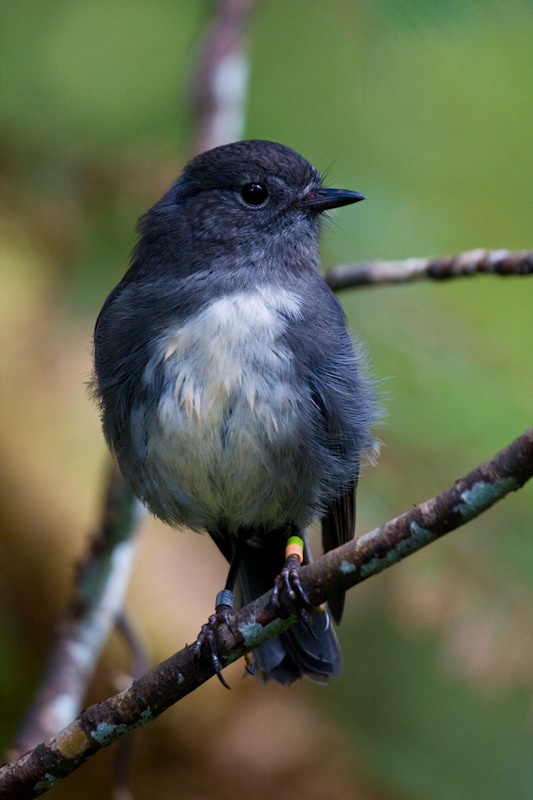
<point>208,635</point>
<point>288,581</point>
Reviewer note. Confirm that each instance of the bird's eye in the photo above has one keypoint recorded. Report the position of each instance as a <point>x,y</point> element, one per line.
<point>254,193</point>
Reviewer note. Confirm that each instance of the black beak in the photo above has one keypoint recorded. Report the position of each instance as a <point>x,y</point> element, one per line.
<point>323,199</point>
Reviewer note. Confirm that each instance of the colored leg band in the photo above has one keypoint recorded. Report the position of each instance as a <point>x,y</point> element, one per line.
<point>295,547</point>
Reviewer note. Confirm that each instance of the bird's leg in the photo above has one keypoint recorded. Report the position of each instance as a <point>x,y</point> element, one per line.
<point>288,590</point>
<point>223,608</point>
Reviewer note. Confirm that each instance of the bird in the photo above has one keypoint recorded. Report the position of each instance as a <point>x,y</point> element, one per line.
<point>230,390</point>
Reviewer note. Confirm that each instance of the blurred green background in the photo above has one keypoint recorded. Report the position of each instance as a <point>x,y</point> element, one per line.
<point>427,108</point>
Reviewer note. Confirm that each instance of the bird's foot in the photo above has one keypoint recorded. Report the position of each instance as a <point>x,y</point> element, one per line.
<point>208,633</point>
<point>289,593</point>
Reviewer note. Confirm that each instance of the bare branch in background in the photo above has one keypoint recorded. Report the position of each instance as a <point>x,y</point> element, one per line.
<point>338,570</point>
<point>85,623</point>
<point>473,262</point>
<point>220,81</point>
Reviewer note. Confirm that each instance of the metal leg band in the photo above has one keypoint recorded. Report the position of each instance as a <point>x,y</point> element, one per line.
<point>224,598</point>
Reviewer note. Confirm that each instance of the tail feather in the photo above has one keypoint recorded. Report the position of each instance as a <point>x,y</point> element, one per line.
<point>297,654</point>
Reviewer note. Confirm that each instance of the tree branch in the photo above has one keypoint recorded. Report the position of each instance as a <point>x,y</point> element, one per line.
<point>473,262</point>
<point>84,625</point>
<point>220,77</point>
<point>338,570</point>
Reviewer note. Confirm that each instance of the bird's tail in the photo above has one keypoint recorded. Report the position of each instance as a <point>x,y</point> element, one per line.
<point>298,652</point>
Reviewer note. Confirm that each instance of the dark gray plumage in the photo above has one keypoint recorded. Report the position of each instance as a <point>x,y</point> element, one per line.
<point>228,385</point>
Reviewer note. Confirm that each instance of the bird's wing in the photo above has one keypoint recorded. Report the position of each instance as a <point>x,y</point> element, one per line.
<point>338,527</point>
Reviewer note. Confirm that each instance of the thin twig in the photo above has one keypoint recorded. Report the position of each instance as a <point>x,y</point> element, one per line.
<point>473,262</point>
<point>338,570</point>
<point>140,663</point>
